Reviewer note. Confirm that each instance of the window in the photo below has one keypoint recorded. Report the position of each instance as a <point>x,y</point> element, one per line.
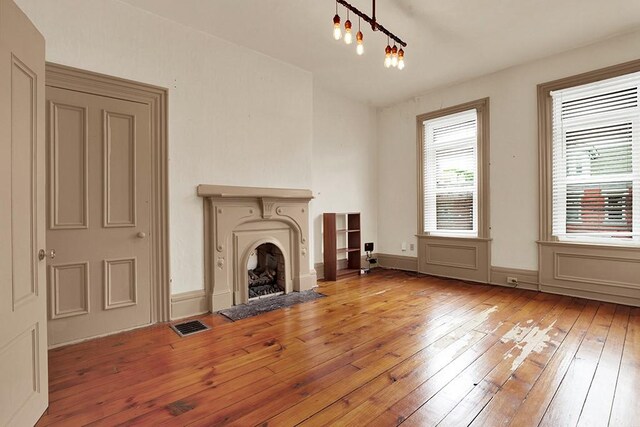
<point>454,163</point>
<point>596,161</point>
<point>450,178</point>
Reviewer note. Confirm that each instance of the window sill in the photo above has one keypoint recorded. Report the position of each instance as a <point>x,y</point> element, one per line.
<point>448,236</point>
<point>594,245</point>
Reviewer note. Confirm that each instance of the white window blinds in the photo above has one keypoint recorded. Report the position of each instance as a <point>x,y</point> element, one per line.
<point>450,174</point>
<point>596,161</point>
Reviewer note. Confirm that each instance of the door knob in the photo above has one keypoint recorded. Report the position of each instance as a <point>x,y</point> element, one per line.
<point>42,254</point>
<point>141,234</point>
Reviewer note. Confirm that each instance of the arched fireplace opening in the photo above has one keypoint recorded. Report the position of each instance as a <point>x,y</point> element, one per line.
<point>266,270</point>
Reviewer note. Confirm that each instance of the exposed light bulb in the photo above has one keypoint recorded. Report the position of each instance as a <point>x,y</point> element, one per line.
<point>360,46</point>
<point>337,32</point>
<point>394,56</point>
<point>387,56</point>
<point>348,37</point>
<point>400,59</point>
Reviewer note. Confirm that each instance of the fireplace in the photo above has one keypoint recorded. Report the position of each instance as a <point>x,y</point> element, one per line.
<point>244,223</point>
<point>266,271</point>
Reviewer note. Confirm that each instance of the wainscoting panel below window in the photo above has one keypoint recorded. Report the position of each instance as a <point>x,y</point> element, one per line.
<point>459,258</point>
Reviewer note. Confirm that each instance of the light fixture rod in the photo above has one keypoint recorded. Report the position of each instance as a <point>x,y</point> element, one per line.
<point>375,26</point>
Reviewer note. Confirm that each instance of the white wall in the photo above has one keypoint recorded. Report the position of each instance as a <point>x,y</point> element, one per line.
<point>236,117</point>
<point>514,155</point>
<point>344,163</point>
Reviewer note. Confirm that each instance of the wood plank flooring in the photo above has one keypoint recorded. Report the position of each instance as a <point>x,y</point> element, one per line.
<point>386,348</point>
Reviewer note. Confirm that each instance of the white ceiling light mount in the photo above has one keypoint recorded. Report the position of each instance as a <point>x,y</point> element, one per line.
<point>394,57</point>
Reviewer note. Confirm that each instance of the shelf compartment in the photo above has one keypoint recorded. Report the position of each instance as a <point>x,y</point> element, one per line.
<point>347,271</point>
<point>341,237</point>
<point>345,250</point>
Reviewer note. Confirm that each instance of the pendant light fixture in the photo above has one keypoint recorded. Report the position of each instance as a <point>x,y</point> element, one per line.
<point>359,39</point>
<point>348,38</point>
<point>337,32</point>
<point>387,55</point>
<point>393,56</point>
<point>400,59</point>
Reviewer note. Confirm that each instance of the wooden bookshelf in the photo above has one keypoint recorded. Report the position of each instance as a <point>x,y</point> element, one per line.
<point>341,237</point>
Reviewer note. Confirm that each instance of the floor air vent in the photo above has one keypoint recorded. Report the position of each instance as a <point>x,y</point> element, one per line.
<point>189,328</point>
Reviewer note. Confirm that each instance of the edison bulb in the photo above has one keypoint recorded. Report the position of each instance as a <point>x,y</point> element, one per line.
<point>387,56</point>
<point>337,32</point>
<point>394,56</point>
<point>348,38</point>
<point>360,46</point>
<point>400,64</point>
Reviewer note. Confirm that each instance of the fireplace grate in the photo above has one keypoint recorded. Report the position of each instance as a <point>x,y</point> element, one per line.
<point>189,328</point>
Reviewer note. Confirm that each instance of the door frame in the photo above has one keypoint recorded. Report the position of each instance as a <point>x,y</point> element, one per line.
<point>64,77</point>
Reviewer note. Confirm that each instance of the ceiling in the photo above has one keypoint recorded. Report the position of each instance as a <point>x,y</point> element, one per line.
<point>448,40</point>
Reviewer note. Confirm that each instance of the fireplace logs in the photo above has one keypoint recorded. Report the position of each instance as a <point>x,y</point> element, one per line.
<point>268,275</point>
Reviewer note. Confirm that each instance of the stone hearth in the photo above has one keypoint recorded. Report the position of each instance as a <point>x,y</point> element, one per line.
<point>237,221</point>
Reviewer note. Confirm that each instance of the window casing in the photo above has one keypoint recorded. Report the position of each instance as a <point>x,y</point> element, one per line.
<point>596,161</point>
<point>450,175</point>
<point>453,145</point>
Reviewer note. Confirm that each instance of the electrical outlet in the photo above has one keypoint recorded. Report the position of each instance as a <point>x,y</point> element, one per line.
<point>512,280</point>
<point>404,246</point>
<point>412,247</point>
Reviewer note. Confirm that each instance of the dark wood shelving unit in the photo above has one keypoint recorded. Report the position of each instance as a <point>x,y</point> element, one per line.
<point>341,236</point>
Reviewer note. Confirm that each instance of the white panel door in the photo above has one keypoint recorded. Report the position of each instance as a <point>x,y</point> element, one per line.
<point>23,327</point>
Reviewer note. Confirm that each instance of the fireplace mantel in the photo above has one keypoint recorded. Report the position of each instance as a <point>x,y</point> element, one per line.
<point>228,191</point>
<point>237,219</point>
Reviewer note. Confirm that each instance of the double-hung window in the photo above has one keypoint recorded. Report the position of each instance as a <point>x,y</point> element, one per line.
<point>596,161</point>
<point>453,198</point>
<point>450,174</point>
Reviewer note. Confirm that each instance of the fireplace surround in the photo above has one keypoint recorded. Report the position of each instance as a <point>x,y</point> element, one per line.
<point>239,219</point>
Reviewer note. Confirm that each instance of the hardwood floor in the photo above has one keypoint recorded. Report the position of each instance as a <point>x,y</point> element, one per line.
<point>383,349</point>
